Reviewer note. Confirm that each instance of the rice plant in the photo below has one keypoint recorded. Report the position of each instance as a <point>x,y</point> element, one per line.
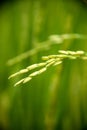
<point>50,60</point>
<point>43,47</point>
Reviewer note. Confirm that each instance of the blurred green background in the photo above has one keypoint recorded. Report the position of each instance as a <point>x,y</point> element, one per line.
<point>57,99</point>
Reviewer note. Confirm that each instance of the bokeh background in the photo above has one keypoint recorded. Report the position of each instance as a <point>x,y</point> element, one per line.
<point>57,99</point>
